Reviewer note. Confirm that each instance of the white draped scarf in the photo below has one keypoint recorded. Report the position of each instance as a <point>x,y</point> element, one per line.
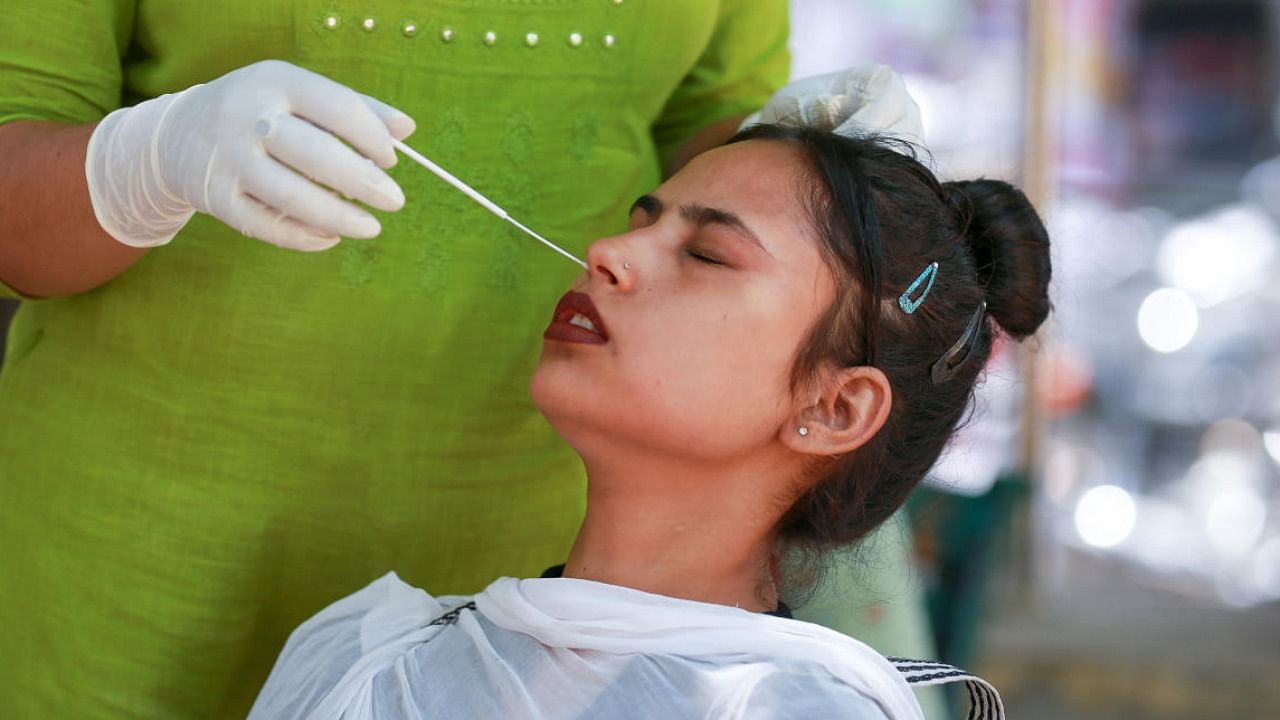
<point>568,648</point>
<point>585,615</point>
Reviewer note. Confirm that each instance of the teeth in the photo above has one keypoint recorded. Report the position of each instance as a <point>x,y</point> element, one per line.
<point>581,321</point>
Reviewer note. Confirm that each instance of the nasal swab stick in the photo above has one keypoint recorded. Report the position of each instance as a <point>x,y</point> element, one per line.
<point>482,200</point>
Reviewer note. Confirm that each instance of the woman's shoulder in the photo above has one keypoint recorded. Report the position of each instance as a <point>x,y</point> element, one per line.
<point>327,648</point>
<point>802,690</point>
<point>666,685</point>
<point>386,603</point>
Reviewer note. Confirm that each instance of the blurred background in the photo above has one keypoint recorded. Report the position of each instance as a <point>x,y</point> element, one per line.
<point>1103,541</point>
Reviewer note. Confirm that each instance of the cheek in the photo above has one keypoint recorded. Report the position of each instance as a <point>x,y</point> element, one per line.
<point>720,379</point>
<point>702,380</point>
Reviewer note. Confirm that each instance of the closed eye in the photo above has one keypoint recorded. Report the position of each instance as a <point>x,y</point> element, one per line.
<point>701,216</point>
<point>702,257</point>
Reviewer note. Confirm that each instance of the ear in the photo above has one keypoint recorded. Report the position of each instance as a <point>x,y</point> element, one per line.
<point>851,406</point>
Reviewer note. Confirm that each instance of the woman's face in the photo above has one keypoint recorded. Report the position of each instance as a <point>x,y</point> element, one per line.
<point>699,308</point>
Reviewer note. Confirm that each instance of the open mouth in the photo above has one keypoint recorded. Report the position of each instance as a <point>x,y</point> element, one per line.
<point>577,320</point>
<point>583,321</point>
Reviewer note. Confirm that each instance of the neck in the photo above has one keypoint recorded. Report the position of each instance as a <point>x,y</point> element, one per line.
<point>671,529</point>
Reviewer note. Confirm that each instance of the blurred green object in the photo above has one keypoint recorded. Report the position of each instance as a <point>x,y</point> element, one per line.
<point>872,592</point>
<point>957,541</point>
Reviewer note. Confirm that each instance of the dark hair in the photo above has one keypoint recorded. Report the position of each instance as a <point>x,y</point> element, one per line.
<point>882,218</point>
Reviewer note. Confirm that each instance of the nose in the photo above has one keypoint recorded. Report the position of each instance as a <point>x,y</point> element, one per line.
<point>608,261</point>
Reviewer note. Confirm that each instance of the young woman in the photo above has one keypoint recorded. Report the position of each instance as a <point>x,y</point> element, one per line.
<point>760,369</point>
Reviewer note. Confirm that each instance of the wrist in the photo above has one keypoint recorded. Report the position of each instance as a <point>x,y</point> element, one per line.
<point>131,199</point>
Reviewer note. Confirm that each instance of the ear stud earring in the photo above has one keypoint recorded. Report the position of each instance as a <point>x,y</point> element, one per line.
<point>803,431</point>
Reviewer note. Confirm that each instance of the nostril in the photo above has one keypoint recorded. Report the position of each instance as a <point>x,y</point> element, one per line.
<point>613,279</point>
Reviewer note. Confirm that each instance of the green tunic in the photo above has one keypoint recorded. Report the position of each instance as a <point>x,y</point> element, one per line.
<point>213,446</point>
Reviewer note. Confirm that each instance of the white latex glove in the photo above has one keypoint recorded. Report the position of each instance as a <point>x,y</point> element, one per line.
<point>256,148</point>
<point>863,98</point>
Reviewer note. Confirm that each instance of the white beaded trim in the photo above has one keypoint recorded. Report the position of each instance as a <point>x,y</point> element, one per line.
<point>410,29</point>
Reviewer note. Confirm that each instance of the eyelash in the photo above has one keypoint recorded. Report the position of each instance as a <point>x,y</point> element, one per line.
<point>702,258</point>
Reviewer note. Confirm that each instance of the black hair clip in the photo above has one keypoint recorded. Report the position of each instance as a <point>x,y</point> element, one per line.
<point>953,359</point>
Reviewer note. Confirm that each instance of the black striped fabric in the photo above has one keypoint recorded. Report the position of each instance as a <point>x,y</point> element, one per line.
<point>984,701</point>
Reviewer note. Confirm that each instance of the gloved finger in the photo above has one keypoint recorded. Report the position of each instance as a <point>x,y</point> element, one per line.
<point>880,101</point>
<point>822,111</point>
<point>297,197</point>
<point>832,83</point>
<point>257,220</point>
<point>398,123</point>
<point>325,159</point>
<point>343,112</point>
<point>790,104</point>
<point>863,81</point>
<point>783,110</point>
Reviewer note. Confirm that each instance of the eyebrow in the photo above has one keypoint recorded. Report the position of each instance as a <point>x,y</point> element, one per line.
<point>701,216</point>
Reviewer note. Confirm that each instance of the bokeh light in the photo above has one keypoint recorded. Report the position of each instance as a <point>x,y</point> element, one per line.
<point>1219,256</point>
<point>1234,520</point>
<point>1168,320</point>
<point>1105,516</point>
<point>1271,441</point>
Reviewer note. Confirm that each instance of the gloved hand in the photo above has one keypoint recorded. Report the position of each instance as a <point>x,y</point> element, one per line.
<point>255,148</point>
<point>863,98</point>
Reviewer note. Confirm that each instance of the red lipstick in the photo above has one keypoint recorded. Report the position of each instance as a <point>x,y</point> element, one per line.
<point>576,320</point>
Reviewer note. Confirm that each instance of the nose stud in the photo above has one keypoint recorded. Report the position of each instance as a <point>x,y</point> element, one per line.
<point>626,266</point>
<point>803,431</point>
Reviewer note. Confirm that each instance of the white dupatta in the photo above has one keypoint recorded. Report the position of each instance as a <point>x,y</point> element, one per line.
<point>585,615</point>
<point>566,648</point>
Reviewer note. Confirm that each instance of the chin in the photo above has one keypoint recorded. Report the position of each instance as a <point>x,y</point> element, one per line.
<point>555,393</point>
<point>538,390</point>
<point>555,400</point>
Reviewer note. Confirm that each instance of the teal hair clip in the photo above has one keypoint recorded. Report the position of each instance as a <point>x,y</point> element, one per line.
<point>929,274</point>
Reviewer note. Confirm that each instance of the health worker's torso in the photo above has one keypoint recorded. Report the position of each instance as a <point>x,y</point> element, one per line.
<point>228,435</point>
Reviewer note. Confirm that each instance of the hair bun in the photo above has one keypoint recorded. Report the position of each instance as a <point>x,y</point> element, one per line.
<point>1011,249</point>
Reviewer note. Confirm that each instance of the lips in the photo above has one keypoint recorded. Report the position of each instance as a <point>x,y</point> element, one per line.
<point>576,320</point>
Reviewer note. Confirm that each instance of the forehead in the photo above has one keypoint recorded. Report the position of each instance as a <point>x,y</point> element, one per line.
<point>761,181</point>
<point>766,184</point>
